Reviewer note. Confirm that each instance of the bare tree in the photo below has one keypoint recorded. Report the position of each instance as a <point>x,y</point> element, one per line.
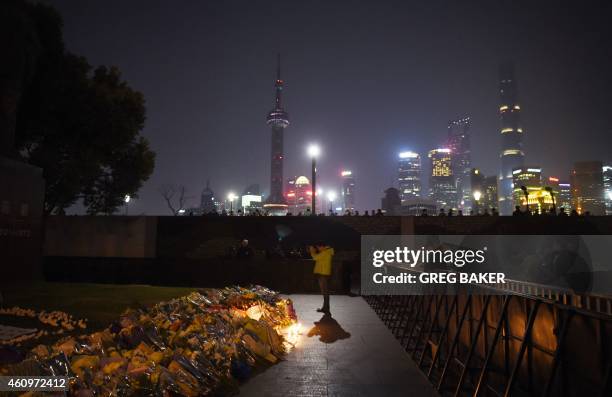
<point>175,197</point>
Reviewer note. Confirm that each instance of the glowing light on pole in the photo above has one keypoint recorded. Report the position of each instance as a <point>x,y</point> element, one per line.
<point>126,200</point>
<point>313,152</point>
<point>231,197</point>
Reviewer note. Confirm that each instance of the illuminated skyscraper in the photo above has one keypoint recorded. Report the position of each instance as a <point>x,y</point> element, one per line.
<point>459,144</point>
<point>563,193</point>
<point>348,190</point>
<point>409,175</point>
<point>607,180</point>
<point>588,187</point>
<point>299,195</point>
<point>483,188</point>
<point>538,199</point>
<point>512,155</point>
<point>564,197</point>
<point>490,199</point>
<point>278,119</point>
<point>441,182</point>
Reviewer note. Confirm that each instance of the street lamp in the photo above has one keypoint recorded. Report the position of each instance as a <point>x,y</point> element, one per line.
<point>126,200</point>
<point>331,196</point>
<point>477,195</point>
<point>313,152</point>
<point>231,197</point>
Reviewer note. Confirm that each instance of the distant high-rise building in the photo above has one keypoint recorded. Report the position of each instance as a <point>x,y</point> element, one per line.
<point>512,154</point>
<point>278,119</point>
<point>409,175</point>
<point>483,190</point>
<point>441,182</point>
<point>490,198</point>
<point>538,199</point>
<point>564,198</point>
<point>459,144</point>
<point>588,187</point>
<point>607,180</point>
<point>348,190</point>
<point>207,199</point>
<point>299,195</point>
<point>563,193</point>
<point>391,201</point>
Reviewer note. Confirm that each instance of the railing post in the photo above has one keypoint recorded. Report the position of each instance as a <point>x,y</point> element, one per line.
<point>485,365</point>
<point>521,353</point>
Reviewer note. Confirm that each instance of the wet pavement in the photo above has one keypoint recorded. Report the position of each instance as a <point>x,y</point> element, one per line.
<point>350,353</point>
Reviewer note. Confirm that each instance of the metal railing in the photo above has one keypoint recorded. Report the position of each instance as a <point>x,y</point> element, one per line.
<point>531,340</point>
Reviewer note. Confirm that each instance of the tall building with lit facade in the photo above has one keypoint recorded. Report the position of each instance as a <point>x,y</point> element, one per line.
<point>299,195</point>
<point>607,181</point>
<point>278,120</point>
<point>588,187</point>
<point>564,197</point>
<point>459,144</point>
<point>441,182</point>
<point>483,191</point>
<point>512,154</point>
<point>490,197</point>
<point>538,200</point>
<point>348,190</point>
<point>563,193</point>
<point>409,175</point>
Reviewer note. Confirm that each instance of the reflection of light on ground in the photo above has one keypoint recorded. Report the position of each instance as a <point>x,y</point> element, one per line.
<point>292,335</point>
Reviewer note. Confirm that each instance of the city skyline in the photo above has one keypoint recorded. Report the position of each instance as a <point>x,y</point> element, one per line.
<point>214,98</point>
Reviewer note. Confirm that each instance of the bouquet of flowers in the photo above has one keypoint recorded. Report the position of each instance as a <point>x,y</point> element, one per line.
<point>200,344</point>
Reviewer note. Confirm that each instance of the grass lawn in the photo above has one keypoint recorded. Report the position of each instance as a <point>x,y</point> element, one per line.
<point>98,303</point>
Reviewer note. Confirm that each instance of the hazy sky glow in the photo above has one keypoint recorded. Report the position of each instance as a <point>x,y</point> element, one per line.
<point>365,80</point>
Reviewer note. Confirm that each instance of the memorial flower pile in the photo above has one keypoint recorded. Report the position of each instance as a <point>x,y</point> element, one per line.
<point>50,323</point>
<point>204,343</point>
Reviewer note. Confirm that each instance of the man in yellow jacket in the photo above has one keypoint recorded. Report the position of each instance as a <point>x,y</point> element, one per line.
<point>322,255</point>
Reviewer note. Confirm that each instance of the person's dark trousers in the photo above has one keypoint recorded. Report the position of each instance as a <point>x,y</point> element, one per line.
<point>324,286</point>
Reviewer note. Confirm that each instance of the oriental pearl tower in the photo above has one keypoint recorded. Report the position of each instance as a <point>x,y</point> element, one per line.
<point>278,120</point>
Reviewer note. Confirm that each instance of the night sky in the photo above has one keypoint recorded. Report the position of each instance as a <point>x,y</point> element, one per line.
<point>363,79</point>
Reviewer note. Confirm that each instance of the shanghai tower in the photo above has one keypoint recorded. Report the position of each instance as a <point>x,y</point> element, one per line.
<point>512,155</point>
<point>278,120</point>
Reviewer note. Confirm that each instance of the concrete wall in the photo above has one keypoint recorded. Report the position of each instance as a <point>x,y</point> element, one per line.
<point>195,250</point>
<point>101,236</point>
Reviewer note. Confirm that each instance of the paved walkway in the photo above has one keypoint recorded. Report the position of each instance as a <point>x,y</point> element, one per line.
<point>351,354</point>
